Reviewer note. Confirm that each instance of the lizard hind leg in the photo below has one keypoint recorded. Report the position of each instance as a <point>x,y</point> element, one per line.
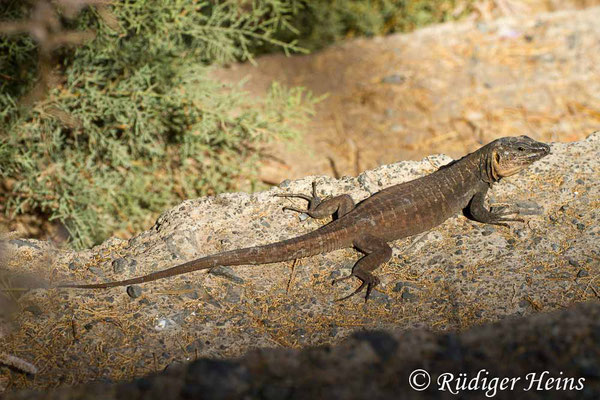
<point>377,252</point>
<point>318,208</point>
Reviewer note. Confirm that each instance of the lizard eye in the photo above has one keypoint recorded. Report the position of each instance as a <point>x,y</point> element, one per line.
<point>520,148</point>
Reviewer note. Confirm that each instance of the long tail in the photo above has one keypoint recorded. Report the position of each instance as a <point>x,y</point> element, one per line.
<point>310,244</point>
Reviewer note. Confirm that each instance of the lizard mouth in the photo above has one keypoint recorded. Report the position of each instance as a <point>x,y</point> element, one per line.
<point>518,158</point>
<point>539,151</point>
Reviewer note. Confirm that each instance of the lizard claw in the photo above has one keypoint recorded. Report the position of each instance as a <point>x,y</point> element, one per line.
<point>502,221</point>
<point>297,195</point>
<point>503,211</point>
<point>357,291</point>
<point>498,213</point>
<point>369,283</point>
<point>313,201</point>
<point>343,278</point>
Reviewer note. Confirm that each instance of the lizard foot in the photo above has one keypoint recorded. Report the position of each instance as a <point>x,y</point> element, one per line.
<point>319,208</point>
<point>313,201</point>
<point>497,217</point>
<point>368,280</point>
<point>501,210</point>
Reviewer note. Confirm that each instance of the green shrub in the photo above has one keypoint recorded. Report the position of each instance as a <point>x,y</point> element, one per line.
<point>322,22</point>
<point>102,134</point>
<point>132,123</point>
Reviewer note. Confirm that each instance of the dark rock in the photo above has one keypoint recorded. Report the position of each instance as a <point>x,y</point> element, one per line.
<point>134,291</point>
<point>119,265</point>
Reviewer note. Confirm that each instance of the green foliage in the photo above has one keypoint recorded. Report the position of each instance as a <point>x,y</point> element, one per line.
<point>17,60</point>
<point>132,122</point>
<point>322,22</point>
<point>135,123</point>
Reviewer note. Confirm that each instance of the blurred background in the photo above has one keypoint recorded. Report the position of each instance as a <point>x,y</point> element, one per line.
<point>112,112</point>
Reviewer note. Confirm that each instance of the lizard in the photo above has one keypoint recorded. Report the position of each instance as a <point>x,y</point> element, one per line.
<point>396,212</point>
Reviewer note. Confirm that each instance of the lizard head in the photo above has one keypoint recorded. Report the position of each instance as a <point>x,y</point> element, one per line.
<point>509,155</point>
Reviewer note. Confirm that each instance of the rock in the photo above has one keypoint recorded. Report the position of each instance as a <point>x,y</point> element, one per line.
<point>134,291</point>
<point>238,308</point>
<point>119,265</point>
<point>387,361</point>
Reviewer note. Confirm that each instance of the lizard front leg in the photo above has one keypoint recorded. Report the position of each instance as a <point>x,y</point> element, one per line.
<point>318,208</point>
<point>377,252</point>
<point>495,216</point>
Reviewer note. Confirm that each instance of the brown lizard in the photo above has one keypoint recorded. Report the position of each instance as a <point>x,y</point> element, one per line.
<point>396,212</point>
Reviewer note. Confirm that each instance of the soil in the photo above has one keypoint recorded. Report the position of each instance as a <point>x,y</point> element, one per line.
<point>444,89</point>
<point>455,276</point>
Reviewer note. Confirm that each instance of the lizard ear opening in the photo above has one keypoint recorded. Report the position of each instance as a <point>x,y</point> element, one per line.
<point>493,162</point>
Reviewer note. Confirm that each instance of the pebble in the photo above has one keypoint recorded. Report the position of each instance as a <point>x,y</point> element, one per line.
<point>164,323</point>
<point>303,217</point>
<point>333,330</point>
<point>573,262</point>
<point>132,266</point>
<point>582,273</point>
<point>407,295</point>
<point>226,272</point>
<point>399,285</point>
<point>145,302</point>
<point>335,274</point>
<point>119,265</point>
<point>96,271</point>
<point>134,291</point>
<point>488,230</point>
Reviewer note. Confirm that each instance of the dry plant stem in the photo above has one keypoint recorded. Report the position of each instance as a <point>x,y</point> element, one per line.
<point>17,363</point>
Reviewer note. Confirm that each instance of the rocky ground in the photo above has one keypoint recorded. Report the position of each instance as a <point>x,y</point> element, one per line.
<point>443,89</point>
<point>453,277</point>
<point>541,357</point>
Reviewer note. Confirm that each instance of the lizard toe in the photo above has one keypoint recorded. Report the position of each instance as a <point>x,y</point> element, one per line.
<point>357,291</point>
<point>370,286</point>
